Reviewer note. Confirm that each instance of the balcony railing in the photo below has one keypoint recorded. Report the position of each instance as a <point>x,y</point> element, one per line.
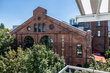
<point>80,69</point>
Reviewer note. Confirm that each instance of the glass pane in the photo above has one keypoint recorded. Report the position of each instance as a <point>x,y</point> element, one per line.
<point>98,23</point>
<point>39,18</point>
<point>35,28</point>
<point>79,50</point>
<point>28,28</point>
<point>98,33</point>
<point>39,27</point>
<point>43,27</point>
<point>88,25</point>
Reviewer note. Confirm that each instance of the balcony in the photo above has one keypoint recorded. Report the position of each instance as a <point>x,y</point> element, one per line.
<point>74,69</point>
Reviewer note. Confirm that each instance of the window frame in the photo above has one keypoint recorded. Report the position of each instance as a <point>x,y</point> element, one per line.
<point>78,51</point>
<point>88,23</point>
<point>39,28</point>
<point>35,27</point>
<point>39,18</point>
<point>99,33</point>
<point>51,27</point>
<point>99,23</point>
<point>44,27</point>
<point>28,28</point>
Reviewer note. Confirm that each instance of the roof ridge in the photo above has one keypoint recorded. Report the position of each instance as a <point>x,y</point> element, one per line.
<point>23,24</point>
<point>72,27</point>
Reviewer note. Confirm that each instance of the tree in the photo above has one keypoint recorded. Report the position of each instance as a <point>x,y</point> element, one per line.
<point>34,60</point>
<point>107,53</point>
<point>42,61</point>
<point>5,40</point>
<point>2,26</point>
<point>13,62</point>
<point>100,65</point>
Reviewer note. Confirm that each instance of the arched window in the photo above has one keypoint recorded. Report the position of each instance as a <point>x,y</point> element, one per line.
<point>43,27</point>
<point>28,42</point>
<point>35,28</point>
<point>79,50</point>
<point>39,28</point>
<point>47,41</point>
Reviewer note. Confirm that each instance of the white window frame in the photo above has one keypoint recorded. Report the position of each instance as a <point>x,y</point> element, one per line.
<point>78,50</point>
<point>99,33</point>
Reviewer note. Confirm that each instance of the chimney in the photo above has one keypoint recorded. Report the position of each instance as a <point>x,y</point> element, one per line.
<point>39,10</point>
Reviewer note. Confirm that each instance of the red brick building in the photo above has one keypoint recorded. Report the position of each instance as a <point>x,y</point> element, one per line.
<point>99,32</point>
<point>68,41</point>
<point>100,39</point>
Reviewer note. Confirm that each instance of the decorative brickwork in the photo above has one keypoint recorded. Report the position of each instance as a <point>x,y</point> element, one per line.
<point>65,37</point>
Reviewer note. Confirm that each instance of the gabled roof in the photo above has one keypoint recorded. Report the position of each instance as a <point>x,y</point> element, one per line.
<point>66,26</point>
<point>21,26</point>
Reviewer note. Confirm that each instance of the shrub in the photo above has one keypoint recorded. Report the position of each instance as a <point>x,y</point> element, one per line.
<point>36,60</point>
<point>43,61</point>
<point>13,62</point>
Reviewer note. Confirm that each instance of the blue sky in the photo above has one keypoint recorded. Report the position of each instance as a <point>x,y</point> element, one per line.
<point>15,12</point>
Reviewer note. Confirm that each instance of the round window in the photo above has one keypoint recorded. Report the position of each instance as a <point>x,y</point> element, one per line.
<point>28,28</point>
<point>51,27</point>
<point>39,18</point>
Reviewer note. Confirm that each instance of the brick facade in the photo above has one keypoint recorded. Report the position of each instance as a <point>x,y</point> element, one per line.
<point>99,43</point>
<point>72,36</point>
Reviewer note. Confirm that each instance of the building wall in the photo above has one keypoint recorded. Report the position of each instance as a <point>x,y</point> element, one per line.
<point>72,37</point>
<point>99,43</point>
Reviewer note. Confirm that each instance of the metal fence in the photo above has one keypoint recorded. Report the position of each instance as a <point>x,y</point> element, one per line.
<point>80,69</point>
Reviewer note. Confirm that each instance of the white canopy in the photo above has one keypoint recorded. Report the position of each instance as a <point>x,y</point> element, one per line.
<point>93,8</point>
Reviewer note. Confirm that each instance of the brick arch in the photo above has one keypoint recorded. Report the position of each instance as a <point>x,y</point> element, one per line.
<point>31,39</point>
<point>24,36</point>
<point>28,36</point>
<point>46,35</point>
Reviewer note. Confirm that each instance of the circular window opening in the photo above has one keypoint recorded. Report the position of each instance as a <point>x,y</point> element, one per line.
<point>28,28</point>
<point>47,41</point>
<point>51,27</point>
<point>39,18</point>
